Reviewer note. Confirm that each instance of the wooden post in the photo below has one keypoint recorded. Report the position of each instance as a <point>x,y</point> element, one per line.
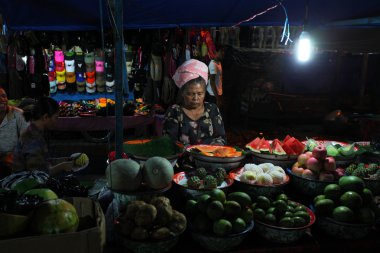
<point>117,11</point>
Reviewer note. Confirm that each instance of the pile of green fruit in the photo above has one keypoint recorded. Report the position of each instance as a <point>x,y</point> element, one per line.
<point>202,179</point>
<point>281,212</point>
<point>348,201</point>
<point>362,170</point>
<point>219,214</point>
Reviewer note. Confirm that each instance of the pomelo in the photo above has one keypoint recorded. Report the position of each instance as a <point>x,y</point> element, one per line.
<point>54,217</point>
<point>222,227</point>
<point>352,200</point>
<point>351,183</point>
<point>343,214</point>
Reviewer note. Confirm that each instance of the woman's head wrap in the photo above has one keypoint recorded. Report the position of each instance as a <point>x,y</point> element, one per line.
<point>190,70</point>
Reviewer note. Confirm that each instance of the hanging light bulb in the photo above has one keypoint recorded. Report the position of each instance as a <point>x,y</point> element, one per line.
<point>304,47</point>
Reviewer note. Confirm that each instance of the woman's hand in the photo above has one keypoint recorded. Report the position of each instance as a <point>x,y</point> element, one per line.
<point>60,167</point>
<point>67,166</point>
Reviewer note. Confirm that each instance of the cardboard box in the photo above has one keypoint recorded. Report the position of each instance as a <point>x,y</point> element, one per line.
<point>90,240</point>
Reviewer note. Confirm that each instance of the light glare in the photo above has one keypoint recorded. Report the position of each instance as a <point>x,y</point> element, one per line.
<point>304,48</point>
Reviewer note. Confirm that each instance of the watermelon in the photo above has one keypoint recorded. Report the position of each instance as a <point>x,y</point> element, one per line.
<point>289,141</point>
<point>288,149</point>
<point>298,146</point>
<point>274,143</point>
<point>286,138</point>
<point>295,145</point>
<point>278,150</point>
<point>254,145</point>
<point>265,146</point>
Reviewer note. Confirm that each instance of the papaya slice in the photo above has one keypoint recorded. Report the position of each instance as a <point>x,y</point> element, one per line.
<point>218,151</point>
<point>206,148</point>
<point>134,142</point>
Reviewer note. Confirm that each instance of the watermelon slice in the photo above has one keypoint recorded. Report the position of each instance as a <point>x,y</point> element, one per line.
<point>265,146</point>
<point>289,141</point>
<point>278,150</point>
<point>288,149</point>
<point>254,145</point>
<point>274,143</point>
<point>298,146</point>
<point>286,138</point>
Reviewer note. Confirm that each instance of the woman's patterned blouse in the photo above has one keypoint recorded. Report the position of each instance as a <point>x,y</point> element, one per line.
<point>208,129</point>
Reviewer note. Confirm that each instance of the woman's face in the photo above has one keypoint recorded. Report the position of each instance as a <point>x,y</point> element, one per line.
<point>194,95</point>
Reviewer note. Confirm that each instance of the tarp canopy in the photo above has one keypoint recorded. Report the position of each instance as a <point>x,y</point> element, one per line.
<point>68,15</point>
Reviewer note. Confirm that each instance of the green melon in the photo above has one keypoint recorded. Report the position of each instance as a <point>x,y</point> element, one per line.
<point>54,217</point>
<point>124,175</point>
<point>44,193</point>
<point>157,172</point>
<point>25,185</point>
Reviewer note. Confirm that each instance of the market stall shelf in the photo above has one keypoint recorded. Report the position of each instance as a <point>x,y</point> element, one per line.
<point>100,123</point>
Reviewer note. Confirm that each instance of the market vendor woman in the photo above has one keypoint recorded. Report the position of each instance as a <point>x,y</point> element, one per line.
<point>194,121</point>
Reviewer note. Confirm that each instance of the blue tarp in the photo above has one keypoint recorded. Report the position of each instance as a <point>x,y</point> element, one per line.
<point>61,15</point>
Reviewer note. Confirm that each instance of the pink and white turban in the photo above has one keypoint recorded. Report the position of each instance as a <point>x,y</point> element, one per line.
<point>189,70</point>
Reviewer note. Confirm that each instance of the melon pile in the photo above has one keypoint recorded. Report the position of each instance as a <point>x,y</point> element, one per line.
<point>289,146</point>
<point>128,175</point>
<point>262,174</point>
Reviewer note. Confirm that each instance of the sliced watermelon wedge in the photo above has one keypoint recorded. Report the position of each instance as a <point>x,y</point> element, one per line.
<point>289,141</point>
<point>265,146</point>
<point>254,145</point>
<point>288,149</point>
<point>274,143</point>
<point>286,138</point>
<point>278,150</point>
<point>297,146</point>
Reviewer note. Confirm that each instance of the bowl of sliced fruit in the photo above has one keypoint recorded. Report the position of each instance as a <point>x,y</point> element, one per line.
<point>212,156</point>
<point>281,153</point>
